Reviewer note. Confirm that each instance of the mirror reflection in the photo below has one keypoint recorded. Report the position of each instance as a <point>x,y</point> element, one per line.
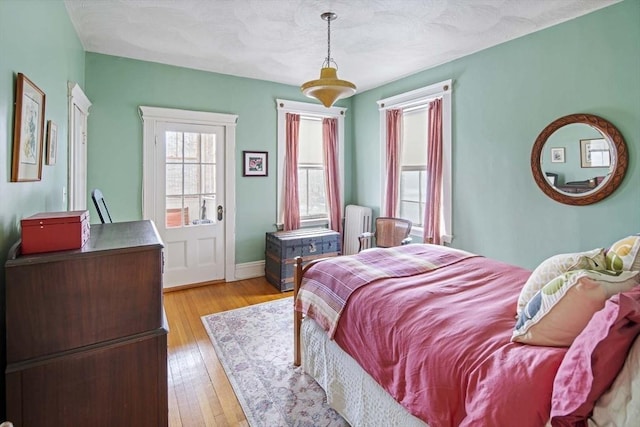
<point>576,159</point>
<point>579,159</point>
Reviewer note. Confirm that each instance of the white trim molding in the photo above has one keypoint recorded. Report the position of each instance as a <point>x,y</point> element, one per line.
<point>249,270</point>
<point>77,161</point>
<point>151,116</point>
<point>414,98</point>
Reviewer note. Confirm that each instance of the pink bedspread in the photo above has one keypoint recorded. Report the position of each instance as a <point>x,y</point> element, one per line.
<point>327,286</point>
<point>439,343</point>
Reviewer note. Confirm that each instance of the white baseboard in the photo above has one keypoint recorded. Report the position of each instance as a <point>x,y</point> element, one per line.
<point>249,270</point>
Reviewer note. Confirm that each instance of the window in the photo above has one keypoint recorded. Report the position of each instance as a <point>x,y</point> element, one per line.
<point>413,159</point>
<point>311,176</point>
<point>413,164</point>
<point>311,187</point>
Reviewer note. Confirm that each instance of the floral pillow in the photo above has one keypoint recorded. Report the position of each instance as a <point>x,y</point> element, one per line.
<point>624,254</point>
<point>557,265</point>
<point>557,313</point>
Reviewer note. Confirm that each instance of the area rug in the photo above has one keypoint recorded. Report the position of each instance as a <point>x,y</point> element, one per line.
<point>255,346</point>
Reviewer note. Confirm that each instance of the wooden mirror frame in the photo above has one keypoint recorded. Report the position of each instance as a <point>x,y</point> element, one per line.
<point>619,157</point>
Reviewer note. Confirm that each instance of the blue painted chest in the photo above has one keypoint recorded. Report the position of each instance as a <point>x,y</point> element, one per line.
<point>282,247</point>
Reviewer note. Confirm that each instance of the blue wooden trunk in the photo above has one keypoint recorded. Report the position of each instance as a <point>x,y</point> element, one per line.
<point>282,247</point>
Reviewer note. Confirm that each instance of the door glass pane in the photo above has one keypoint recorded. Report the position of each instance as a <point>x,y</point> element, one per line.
<point>208,178</point>
<point>174,179</point>
<point>191,147</point>
<point>208,208</point>
<point>190,179</point>
<point>208,148</point>
<point>174,146</point>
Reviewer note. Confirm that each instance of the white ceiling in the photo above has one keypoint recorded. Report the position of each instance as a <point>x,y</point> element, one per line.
<point>372,41</point>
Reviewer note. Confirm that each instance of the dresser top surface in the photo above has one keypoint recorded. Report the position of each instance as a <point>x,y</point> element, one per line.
<point>118,236</point>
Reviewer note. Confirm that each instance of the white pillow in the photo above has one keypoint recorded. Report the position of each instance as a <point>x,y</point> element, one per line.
<point>555,266</point>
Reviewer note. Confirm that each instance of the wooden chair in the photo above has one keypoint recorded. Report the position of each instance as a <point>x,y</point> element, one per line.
<point>101,206</point>
<point>389,232</point>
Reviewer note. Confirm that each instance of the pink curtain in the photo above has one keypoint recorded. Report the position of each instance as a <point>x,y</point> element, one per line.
<point>332,174</point>
<point>433,199</point>
<point>291,200</point>
<point>394,135</point>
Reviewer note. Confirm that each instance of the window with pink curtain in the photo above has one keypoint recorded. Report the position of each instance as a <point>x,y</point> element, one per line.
<point>291,200</point>
<point>392,186</point>
<point>332,172</point>
<point>433,208</point>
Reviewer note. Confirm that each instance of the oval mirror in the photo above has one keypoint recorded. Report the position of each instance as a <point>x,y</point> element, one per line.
<point>579,159</point>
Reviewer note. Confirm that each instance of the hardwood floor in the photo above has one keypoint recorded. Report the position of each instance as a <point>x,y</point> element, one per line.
<point>199,392</point>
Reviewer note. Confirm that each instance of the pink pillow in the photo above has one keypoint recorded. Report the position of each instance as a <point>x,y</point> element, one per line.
<point>594,359</point>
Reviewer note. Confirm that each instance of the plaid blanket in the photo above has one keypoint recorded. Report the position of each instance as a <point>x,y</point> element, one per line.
<point>327,286</point>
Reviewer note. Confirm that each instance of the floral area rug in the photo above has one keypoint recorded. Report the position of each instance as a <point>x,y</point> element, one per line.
<point>255,346</point>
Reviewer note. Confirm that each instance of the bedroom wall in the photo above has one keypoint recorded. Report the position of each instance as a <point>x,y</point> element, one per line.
<point>38,40</point>
<point>503,98</point>
<point>118,86</point>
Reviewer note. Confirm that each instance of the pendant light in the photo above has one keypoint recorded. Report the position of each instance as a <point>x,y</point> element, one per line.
<point>328,88</point>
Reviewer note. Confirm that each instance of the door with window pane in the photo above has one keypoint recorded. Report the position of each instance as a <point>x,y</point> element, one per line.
<point>189,209</point>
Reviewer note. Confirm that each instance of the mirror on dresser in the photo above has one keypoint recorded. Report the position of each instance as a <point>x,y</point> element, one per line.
<point>579,159</point>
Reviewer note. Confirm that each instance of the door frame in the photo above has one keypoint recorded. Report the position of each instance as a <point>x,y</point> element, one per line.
<point>151,116</point>
<point>77,99</point>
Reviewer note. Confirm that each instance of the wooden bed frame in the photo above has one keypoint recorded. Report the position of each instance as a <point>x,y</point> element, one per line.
<point>298,271</point>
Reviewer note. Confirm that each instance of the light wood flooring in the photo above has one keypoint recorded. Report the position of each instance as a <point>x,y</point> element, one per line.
<point>199,391</point>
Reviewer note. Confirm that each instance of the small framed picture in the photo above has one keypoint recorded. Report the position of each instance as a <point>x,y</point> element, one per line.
<point>52,142</point>
<point>255,163</point>
<point>557,155</point>
<point>595,153</point>
<point>28,131</point>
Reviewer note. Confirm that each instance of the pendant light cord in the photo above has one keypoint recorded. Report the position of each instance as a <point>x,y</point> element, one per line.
<point>329,42</point>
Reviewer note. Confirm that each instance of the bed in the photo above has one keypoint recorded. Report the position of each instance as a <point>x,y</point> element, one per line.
<point>422,335</point>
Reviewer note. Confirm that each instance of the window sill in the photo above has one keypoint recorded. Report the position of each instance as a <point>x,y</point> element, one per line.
<point>417,232</point>
<point>307,223</point>
<point>316,222</point>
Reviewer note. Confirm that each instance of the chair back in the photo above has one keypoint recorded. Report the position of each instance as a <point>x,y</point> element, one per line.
<point>392,231</point>
<point>101,206</point>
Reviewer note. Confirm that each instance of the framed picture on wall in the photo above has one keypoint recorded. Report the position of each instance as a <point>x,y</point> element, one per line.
<point>28,131</point>
<point>557,155</point>
<point>594,153</point>
<point>255,163</point>
<point>52,142</point>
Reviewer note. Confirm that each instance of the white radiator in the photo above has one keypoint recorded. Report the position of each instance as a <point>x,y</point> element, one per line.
<point>357,220</point>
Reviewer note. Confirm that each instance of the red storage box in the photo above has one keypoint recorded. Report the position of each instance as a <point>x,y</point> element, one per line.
<point>54,231</point>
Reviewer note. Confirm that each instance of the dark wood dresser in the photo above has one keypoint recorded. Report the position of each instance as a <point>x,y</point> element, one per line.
<point>86,334</point>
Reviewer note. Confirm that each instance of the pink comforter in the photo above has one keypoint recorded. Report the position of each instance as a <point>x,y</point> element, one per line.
<point>439,343</point>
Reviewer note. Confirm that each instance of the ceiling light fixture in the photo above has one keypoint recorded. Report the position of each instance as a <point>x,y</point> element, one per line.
<point>329,88</point>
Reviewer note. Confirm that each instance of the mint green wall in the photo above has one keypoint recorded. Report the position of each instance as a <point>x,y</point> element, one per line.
<point>38,40</point>
<point>118,86</point>
<point>503,97</point>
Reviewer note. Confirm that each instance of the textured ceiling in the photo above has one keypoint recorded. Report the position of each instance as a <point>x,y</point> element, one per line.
<point>372,41</point>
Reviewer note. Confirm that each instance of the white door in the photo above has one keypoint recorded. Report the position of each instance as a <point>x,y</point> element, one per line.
<point>189,207</point>
<point>78,112</point>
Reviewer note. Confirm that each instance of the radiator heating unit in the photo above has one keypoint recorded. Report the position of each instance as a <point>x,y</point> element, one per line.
<point>357,220</point>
